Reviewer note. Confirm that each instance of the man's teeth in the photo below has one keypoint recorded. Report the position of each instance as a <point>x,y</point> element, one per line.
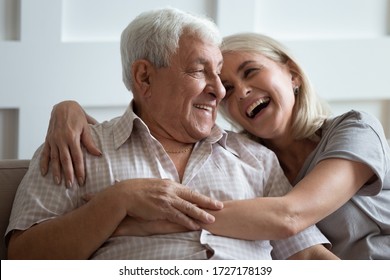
<point>204,107</point>
<point>250,112</point>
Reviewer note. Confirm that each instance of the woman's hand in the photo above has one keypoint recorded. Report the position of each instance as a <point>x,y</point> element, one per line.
<point>68,129</point>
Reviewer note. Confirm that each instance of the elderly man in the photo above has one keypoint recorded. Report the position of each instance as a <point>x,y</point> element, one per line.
<point>171,61</point>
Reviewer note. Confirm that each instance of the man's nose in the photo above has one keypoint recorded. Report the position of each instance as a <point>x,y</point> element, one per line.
<point>217,87</point>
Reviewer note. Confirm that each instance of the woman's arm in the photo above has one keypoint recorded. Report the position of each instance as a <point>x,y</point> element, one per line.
<point>316,252</point>
<point>68,128</point>
<point>326,188</point>
<point>331,183</point>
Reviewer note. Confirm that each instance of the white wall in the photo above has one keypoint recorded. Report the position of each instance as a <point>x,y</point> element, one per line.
<point>51,50</point>
<point>344,45</point>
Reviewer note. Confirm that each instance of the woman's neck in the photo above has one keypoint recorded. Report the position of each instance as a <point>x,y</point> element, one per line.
<point>291,154</point>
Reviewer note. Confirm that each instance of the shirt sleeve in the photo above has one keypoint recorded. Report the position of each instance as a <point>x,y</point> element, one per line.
<point>39,199</point>
<point>284,248</point>
<point>359,137</point>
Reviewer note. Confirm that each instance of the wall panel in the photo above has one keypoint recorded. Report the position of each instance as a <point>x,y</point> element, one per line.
<point>52,50</point>
<point>9,20</point>
<point>9,133</point>
<point>342,44</point>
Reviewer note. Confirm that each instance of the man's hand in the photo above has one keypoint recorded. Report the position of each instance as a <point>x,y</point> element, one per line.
<point>68,129</point>
<point>163,199</point>
<point>131,226</point>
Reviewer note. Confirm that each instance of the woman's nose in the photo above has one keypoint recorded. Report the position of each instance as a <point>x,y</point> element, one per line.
<point>243,91</point>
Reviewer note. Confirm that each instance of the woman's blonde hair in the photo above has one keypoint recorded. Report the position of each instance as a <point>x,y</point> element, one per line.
<point>309,111</point>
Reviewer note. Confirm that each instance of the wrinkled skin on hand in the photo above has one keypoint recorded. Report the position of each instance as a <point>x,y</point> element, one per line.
<point>162,200</point>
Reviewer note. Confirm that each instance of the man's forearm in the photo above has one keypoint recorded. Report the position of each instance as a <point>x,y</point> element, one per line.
<point>76,235</point>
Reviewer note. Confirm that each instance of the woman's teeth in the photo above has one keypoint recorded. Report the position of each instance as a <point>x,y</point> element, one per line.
<point>257,106</point>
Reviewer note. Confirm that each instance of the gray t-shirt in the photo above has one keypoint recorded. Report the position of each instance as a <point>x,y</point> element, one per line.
<point>361,228</point>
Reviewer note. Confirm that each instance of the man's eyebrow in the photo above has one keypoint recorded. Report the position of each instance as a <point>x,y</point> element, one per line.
<point>203,61</point>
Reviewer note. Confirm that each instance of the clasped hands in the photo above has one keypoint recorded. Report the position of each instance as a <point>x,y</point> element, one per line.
<point>160,206</point>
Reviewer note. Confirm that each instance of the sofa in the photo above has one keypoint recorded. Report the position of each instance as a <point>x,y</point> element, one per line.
<point>11,173</point>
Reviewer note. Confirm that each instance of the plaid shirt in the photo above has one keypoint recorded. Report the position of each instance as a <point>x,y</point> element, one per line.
<point>225,166</point>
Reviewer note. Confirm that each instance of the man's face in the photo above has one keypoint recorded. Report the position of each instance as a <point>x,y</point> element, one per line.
<point>185,96</point>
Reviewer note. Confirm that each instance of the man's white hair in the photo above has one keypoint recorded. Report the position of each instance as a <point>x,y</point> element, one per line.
<point>154,36</point>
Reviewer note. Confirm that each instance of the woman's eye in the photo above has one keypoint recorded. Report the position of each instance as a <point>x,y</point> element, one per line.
<point>248,71</point>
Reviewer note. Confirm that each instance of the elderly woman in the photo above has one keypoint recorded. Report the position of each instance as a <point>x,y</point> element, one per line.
<point>339,166</point>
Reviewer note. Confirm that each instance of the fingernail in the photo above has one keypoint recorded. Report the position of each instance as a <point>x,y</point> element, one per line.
<point>43,171</point>
<point>57,180</point>
<point>81,181</point>
<point>219,204</point>
<point>69,183</point>
<point>210,218</point>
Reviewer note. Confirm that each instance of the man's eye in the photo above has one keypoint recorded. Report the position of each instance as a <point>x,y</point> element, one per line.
<point>197,73</point>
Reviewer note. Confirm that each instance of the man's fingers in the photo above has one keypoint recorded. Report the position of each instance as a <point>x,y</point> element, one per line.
<point>178,217</point>
<point>193,212</point>
<point>200,200</point>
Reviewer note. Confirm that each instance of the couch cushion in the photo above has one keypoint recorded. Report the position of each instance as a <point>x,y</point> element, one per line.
<point>11,173</point>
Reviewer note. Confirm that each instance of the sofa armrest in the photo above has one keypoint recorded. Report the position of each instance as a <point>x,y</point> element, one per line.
<point>11,173</point>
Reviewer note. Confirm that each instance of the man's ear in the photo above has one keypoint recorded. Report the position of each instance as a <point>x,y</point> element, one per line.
<point>141,70</point>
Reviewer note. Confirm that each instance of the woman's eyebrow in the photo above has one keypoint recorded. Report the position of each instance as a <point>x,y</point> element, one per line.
<point>242,65</point>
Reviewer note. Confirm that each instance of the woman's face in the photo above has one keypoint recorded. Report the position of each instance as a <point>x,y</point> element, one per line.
<point>259,93</point>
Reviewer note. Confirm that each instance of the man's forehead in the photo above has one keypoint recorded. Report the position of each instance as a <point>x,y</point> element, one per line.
<point>200,53</point>
<point>211,59</point>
